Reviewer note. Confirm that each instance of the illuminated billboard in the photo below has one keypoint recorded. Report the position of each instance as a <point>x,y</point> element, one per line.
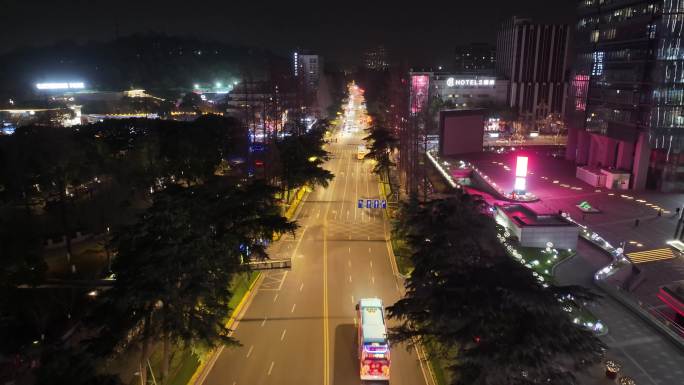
<point>420,87</point>
<point>61,86</point>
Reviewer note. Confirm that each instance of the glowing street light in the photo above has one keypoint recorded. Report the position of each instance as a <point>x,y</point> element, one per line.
<point>218,84</point>
<point>196,86</point>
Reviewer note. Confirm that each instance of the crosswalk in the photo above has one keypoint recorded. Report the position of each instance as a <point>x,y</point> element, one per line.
<point>651,255</point>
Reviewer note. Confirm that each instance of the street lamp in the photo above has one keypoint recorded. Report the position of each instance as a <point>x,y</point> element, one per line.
<point>218,84</point>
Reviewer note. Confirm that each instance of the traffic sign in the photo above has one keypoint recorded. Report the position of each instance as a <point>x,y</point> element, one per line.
<point>376,204</point>
<point>369,203</point>
<point>360,203</point>
<point>384,204</point>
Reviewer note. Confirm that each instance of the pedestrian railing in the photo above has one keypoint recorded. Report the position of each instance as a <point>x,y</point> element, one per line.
<point>270,264</point>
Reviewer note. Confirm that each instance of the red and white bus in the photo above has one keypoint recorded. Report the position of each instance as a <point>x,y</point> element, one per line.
<point>373,346</point>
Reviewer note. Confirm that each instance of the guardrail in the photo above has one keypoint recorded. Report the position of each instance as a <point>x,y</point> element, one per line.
<point>270,264</point>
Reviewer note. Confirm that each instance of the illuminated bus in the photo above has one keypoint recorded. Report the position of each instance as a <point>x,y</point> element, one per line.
<point>373,346</point>
<point>361,152</point>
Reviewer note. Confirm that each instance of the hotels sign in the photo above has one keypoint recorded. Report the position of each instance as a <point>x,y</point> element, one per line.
<point>451,82</point>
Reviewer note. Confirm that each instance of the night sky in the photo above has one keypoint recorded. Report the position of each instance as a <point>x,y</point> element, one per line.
<point>337,29</point>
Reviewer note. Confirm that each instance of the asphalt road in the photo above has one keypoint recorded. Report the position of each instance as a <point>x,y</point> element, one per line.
<point>300,326</point>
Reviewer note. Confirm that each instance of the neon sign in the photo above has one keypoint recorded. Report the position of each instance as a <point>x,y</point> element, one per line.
<point>451,82</point>
<point>520,175</point>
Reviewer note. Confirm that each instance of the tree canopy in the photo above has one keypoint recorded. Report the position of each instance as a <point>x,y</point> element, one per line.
<point>494,321</point>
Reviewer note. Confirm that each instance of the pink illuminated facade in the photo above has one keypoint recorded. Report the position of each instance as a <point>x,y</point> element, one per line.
<point>420,88</point>
<point>580,86</point>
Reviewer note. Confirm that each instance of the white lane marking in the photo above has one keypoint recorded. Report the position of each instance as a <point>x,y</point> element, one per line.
<point>301,286</point>
<point>352,299</point>
<point>349,263</point>
<point>264,321</point>
<point>293,307</point>
<point>270,369</point>
<point>318,214</point>
<point>249,352</point>
<point>350,278</point>
<point>275,298</point>
<point>282,336</point>
<point>347,213</point>
<point>349,250</point>
<point>234,382</point>
<point>369,250</point>
<point>282,281</point>
<point>371,263</point>
<point>368,237</point>
<point>373,280</point>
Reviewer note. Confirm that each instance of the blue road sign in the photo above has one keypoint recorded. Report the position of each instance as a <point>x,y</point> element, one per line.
<point>384,204</point>
<point>376,204</point>
<point>369,203</point>
<point>360,203</point>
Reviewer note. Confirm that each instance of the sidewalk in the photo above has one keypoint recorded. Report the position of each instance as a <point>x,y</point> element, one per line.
<point>643,352</point>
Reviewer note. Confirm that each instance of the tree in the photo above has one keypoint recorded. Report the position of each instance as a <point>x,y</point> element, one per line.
<point>301,159</point>
<point>21,261</point>
<point>57,161</point>
<point>494,321</point>
<point>381,144</point>
<point>72,366</point>
<point>176,263</point>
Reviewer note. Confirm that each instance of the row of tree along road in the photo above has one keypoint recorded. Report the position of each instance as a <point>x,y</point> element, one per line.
<point>177,211</point>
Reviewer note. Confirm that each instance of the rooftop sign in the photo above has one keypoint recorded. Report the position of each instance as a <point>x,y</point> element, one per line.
<point>451,82</point>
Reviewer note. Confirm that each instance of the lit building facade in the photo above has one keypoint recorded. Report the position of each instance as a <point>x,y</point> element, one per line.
<point>430,92</point>
<point>626,107</point>
<point>375,59</point>
<point>534,58</point>
<point>461,90</point>
<point>475,58</point>
<point>309,68</point>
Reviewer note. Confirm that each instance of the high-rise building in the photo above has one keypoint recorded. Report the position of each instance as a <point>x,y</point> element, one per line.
<point>626,107</point>
<point>475,58</point>
<point>376,59</point>
<point>308,67</point>
<point>533,57</point>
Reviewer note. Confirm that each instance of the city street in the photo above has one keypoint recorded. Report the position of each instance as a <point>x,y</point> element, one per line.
<point>300,327</point>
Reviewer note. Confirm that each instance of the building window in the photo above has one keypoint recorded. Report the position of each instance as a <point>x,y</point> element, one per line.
<point>594,36</point>
<point>597,68</point>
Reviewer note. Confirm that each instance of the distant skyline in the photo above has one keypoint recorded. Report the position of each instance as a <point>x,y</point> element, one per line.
<point>425,34</point>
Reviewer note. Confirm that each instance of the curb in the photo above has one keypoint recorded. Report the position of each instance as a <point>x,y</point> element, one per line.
<point>554,267</point>
<point>293,211</point>
<point>389,239</point>
<point>203,369</point>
